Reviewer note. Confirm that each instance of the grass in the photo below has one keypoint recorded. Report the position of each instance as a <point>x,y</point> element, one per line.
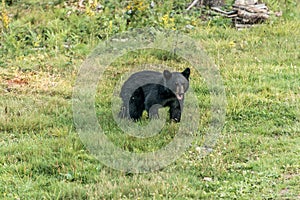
<point>42,157</point>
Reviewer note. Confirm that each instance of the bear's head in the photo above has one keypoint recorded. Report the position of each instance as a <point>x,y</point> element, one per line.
<point>177,82</point>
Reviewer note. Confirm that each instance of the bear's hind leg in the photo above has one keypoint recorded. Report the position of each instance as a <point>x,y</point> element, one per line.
<point>124,112</point>
<point>153,111</point>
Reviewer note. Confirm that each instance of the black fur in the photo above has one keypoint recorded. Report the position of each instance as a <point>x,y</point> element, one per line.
<point>150,90</point>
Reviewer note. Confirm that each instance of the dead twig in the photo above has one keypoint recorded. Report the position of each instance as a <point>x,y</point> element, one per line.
<point>192,4</point>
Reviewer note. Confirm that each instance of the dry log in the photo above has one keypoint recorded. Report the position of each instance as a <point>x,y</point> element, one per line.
<point>252,17</point>
<point>252,8</point>
<point>244,13</point>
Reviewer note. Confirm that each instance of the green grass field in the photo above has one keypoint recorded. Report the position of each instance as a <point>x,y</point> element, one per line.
<point>257,155</point>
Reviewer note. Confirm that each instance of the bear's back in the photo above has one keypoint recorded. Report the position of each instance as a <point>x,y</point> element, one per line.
<point>140,79</point>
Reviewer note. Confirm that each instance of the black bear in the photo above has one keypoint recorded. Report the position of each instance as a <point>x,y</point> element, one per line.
<point>150,90</point>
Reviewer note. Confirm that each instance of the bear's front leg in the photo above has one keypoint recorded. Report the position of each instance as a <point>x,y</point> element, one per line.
<point>135,110</point>
<point>136,104</point>
<point>175,111</point>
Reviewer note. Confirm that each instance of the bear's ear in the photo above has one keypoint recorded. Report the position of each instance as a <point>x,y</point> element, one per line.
<point>167,74</point>
<point>186,73</point>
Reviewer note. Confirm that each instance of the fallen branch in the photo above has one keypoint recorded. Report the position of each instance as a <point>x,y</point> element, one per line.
<point>219,10</point>
<point>192,4</point>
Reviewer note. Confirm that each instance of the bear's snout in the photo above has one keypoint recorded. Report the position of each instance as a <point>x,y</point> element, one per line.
<point>179,92</point>
<point>180,96</point>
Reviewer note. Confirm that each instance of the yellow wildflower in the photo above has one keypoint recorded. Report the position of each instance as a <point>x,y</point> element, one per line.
<point>4,16</point>
<point>232,44</point>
